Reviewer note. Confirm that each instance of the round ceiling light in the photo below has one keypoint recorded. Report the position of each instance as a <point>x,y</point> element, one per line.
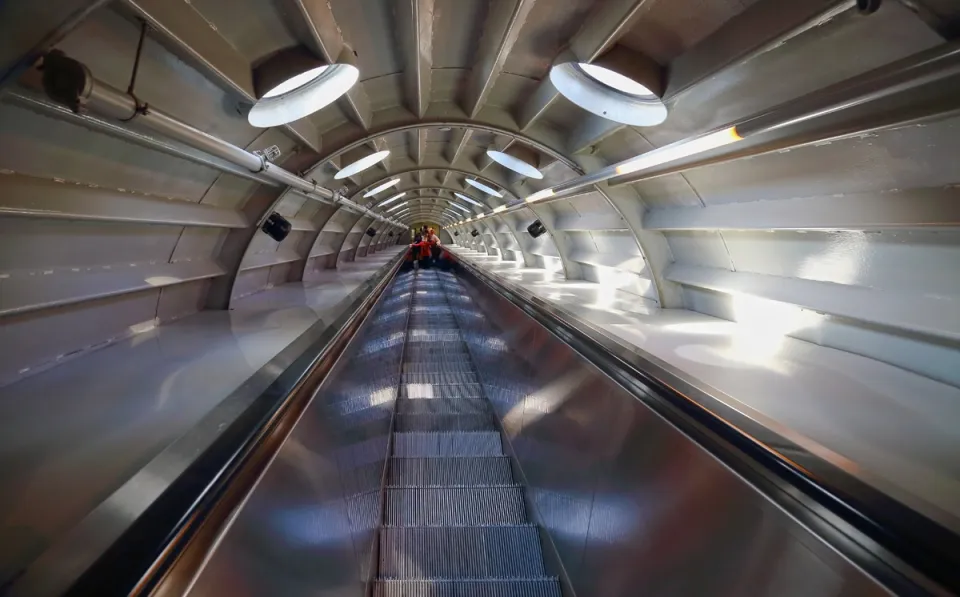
<point>517,165</point>
<point>479,185</point>
<point>383,187</point>
<point>362,164</point>
<point>608,94</point>
<point>302,95</point>
<point>469,199</point>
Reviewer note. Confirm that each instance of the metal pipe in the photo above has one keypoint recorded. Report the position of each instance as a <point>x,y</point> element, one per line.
<point>883,83</point>
<point>72,83</point>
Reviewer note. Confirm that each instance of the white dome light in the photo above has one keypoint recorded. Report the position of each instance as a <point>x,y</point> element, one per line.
<point>479,185</point>
<point>469,200</point>
<point>460,207</point>
<point>383,187</point>
<point>392,199</point>
<point>616,80</point>
<point>302,95</point>
<point>608,94</point>
<point>398,206</point>
<point>362,164</point>
<point>517,165</point>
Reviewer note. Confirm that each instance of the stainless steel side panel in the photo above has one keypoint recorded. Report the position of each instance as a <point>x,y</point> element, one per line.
<point>633,506</point>
<point>308,527</point>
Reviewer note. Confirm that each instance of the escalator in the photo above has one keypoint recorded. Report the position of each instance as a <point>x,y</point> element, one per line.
<point>454,439</point>
<point>454,523</point>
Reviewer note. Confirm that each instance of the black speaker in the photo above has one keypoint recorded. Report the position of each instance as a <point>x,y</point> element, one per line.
<point>390,234</point>
<point>474,233</point>
<point>456,234</point>
<point>276,227</point>
<point>536,229</point>
<point>371,232</point>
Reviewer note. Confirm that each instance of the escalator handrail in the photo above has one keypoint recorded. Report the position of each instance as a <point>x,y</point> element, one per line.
<point>137,560</point>
<point>902,548</point>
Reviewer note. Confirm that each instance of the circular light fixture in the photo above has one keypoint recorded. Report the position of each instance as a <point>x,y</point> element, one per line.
<point>608,94</point>
<point>362,164</point>
<point>614,79</point>
<point>517,165</point>
<point>392,199</point>
<point>303,94</point>
<point>479,185</point>
<point>383,187</point>
<point>469,199</point>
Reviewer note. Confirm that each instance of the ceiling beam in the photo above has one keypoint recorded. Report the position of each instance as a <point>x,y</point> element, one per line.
<point>501,31</point>
<point>600,31</point>
<point>39,27</point>
<point>380,144</point>
<point>327,41</point>
<point>913,208</point>
<point>185,32</point>
<point>761,27</point>
<point>459,138</point>
<point>415,23</point>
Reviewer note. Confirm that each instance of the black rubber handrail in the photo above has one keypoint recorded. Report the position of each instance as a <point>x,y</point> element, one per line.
<point>137,561</point>
<point>901,548</point>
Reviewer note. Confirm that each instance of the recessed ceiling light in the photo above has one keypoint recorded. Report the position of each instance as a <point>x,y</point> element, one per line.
<point>383,187</point>
<point>517,165</point>
<point>468,199</point>
<point>362,164</point>
<point>616,80</point>
<point>479,185</point>
<point>398,206</point>
<point>460,207</point>
<point>392,199</point>
<point>302,95</point>
<point>608,94</point>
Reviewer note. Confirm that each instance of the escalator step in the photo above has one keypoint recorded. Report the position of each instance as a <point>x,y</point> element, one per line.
<point>451,378</point>
<point>434,472</point>
<point>460,552</point>
<point>419,391</point>
<point>443,406</point>
<point>534,587</point>
<point>476,422</point>
<point>464,443</point>
<point>454,506</point>
<point>432,366</point>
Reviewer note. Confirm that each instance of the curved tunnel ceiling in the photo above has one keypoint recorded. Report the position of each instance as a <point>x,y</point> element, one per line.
<point>805,214</point>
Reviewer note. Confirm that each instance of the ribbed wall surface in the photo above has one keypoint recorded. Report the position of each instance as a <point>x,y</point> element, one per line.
<point>455,522</point>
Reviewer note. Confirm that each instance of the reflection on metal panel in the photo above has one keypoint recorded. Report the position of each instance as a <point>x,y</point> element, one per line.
<point>633,506</point>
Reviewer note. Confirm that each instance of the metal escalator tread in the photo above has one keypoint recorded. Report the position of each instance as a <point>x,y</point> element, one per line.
<point>455,506</point>
<point>436,422</point>
<point>461,552</point>
<point>540,587</point>
<point>464,443</point>
<point>441,406</point>
<point>438,472</point>
<point>454,521</point>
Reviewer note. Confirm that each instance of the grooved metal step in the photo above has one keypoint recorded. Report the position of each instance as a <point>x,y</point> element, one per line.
<point>454,506</point>
<point>452,378</point>
<point>438,472</point>
<point>539,587</point>
<point>443,406</point>
<point>467,443</point>
<point>458,366</point>
<point>460,552</point>
<point>425,391</point>
<point>476,422</point>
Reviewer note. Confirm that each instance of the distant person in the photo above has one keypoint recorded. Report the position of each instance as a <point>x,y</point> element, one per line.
<point>435,249</point>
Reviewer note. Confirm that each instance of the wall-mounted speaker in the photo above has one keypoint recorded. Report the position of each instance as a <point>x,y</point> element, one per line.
<point>371,232</point>
<point>276,227</point>
<point>536,229</point>
<point>390,234</point>
<point>474,233</point>
<point>456,234</point>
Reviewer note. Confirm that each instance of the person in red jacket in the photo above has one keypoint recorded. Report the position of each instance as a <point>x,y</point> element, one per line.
<point>421,253</point>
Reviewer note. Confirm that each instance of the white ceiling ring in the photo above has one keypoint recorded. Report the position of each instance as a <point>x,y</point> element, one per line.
<point>362,164</point>
<point>608,94</point>
<point>516,164</point>
<point>302,95</point>
<point>458,171</point>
